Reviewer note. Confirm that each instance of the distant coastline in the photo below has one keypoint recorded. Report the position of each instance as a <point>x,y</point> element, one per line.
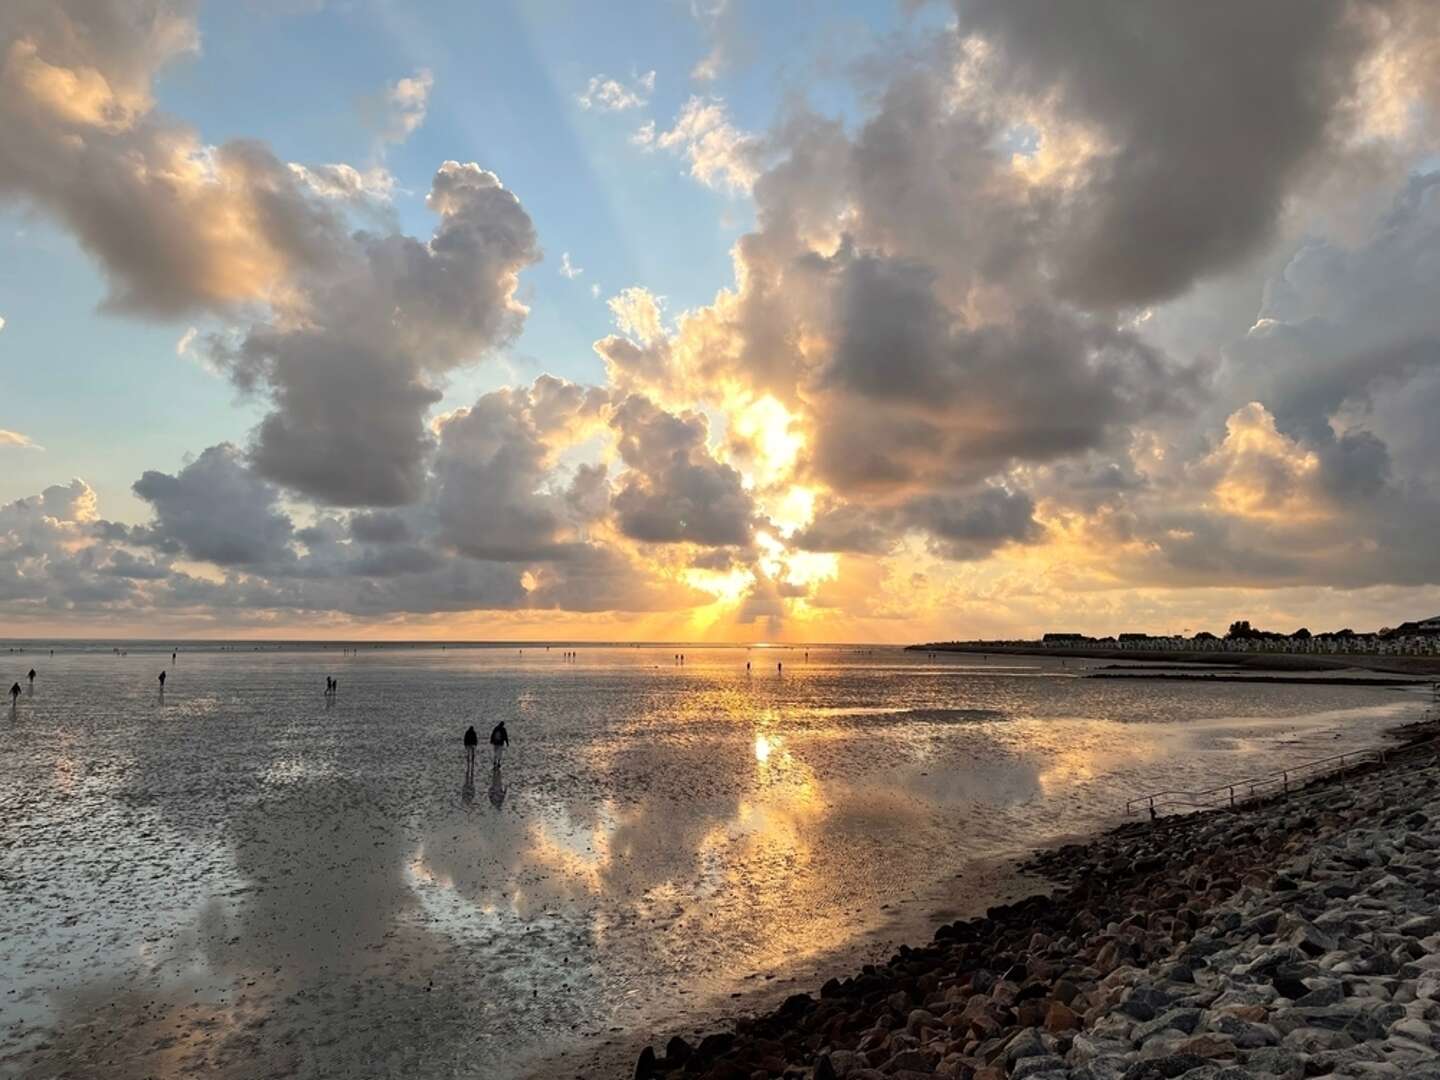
<point>1418,666</point>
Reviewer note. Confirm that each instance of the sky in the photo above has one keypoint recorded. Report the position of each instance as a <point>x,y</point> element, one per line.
<point>716,320</point>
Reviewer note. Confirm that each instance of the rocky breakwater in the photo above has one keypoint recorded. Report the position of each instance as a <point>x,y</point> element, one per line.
<point>1291,938</point>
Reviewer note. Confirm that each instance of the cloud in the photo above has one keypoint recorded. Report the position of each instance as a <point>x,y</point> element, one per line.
<point>405,104</point>
<point>605,94</point>
<point>216,510</point>
<point>175,224</point>
<point>719,21</point>
<point>345,183</point>
<point>985,344</point>
<point>1149,213</point>
<point>720,155</point>
<point>674,490</point>
<point>351,382</point>
<point>15,439</point>
<point>492,466</point>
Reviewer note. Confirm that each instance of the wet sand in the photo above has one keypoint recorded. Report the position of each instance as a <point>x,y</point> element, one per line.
<point>252,878</point>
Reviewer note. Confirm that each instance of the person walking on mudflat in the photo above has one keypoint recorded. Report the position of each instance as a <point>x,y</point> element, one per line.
<point>15,697</point>
<point>472,740</point>
<point>499,739</point>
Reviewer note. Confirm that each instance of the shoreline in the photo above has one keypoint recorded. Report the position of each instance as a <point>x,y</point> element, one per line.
<point>987,880</point>
<point>1415,666</point>
<point>1077,981</point>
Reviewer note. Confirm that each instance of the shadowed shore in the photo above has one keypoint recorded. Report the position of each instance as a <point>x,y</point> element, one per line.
<point>1419,666</point>
<point>1293,936</point>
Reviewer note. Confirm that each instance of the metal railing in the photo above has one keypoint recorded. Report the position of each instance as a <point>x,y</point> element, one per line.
<point>1255,787</point>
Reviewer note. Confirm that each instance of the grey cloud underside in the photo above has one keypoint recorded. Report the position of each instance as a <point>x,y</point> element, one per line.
<point>960,341</point>
<point>351,385</point>
<point>675,490</point>
<point>501,528</point>
<point>1214,111</point>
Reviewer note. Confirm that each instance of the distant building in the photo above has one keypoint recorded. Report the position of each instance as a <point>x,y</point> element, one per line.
<point>1418,628</point>
<point>1064,639</point>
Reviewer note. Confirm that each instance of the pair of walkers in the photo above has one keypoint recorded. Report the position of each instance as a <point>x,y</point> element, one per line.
<point>499,740</point>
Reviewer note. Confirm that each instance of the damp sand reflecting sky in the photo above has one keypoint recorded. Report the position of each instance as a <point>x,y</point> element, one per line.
<point>248,878</point>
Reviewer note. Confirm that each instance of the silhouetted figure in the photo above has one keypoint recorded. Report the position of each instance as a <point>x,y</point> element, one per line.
<point>497,789</point>
<point>499,740</point>
<point>31,676</point>
<point>173,655</point>
<point>14,695</point>
<point>779,668</point>
<point>162,682</point>
<point>747,667</point>
<point>471,742</point>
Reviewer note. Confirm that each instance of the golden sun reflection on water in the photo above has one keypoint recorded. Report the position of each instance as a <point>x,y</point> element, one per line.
<point>762,748</point>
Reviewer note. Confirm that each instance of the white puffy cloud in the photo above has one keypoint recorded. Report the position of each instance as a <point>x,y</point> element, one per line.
<point>719,154</point>
<point>406,101</point>
<point>605,94</point>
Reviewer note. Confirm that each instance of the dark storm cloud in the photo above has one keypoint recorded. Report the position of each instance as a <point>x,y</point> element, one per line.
<point>1211,113</point>
<point>379,527</point>
<point>972,526</point>
<point>913,395</point>
<point>839,526</point>
<point>218,510</point>
<point>675,491</point>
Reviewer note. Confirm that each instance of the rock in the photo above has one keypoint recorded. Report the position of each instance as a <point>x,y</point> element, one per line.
<point>1330,994</point>
<point>1412,1028</point>
<point>1208,1045</point>
<point>1308,1040</point>
<point>1064,991</point>
<point>712,1046</point>
<point>1419,926</point>
<point>1108,1067</point>
<point>1166,1068</point>
<point>1026,1043</point>
<point>824,1070</point>
<point>1032,1066</point>
<point>1277,1061</point>
<point>1181,1020</point>
<point>678,1051</point>
<point>1086,1047</point>
<point>1143,1002</point>
<point>1060,1018</point>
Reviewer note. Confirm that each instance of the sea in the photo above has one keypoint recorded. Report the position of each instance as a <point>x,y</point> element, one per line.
<point>244,875</point>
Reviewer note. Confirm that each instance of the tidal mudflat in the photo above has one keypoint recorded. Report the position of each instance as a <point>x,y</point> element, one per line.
<point>249,877</point>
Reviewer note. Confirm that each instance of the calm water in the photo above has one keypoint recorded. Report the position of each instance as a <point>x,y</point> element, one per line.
<point>247,879</point>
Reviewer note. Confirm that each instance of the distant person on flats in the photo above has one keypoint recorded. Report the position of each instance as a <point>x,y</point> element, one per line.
<point>471,742</point>
<point>15,697</point>
<point>499,739</point>
<point>162,680</point>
